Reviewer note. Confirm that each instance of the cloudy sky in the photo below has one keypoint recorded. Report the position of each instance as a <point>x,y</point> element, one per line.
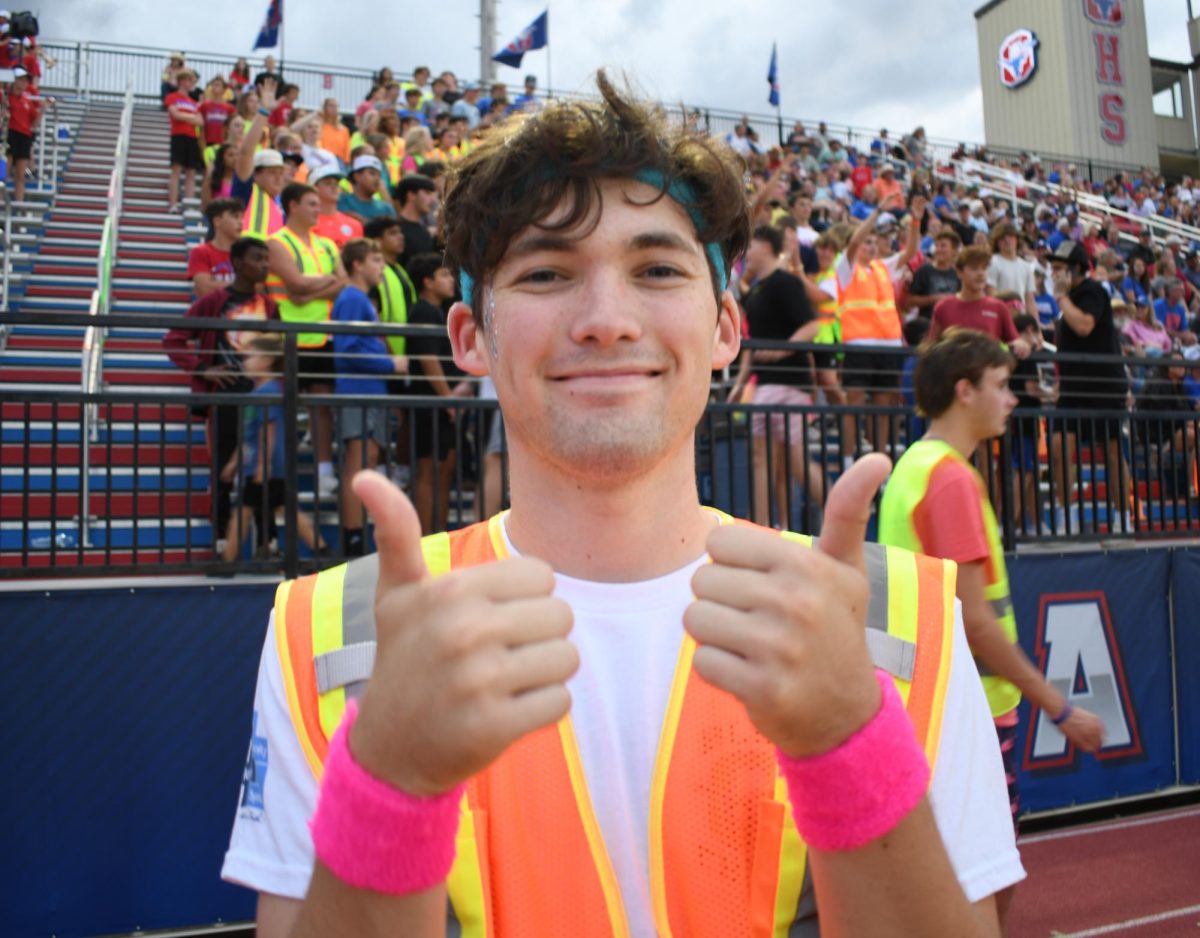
<point>894,63</point>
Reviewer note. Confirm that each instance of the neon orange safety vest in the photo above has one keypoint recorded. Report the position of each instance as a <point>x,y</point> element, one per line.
<point>263,216</point>
<point>725,856</point>
<point>868,305</point>
<point>319,256</point>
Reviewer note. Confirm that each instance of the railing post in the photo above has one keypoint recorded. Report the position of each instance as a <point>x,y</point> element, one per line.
<point>291,456</point>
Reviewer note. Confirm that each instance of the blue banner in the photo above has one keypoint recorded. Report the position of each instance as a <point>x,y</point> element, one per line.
<point>1185,588</point>
<point>773,78</point>
<point>125,744</point>
<point>533,36</point>
<point>1097,626</point>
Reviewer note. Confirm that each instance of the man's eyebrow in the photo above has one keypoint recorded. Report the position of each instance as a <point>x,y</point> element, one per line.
<point>663,239</point>
<point>536,243</point>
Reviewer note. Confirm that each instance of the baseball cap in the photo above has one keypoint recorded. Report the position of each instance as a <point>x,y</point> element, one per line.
<point>19,72</point>
<point>886,220</point>
<point>328,171</point>
<point>267,159</point>
<point>887,168</point>
<point>366,161</point>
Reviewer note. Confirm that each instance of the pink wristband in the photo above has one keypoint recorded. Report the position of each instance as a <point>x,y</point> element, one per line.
<point>861,789</point>
<point>374,836</point>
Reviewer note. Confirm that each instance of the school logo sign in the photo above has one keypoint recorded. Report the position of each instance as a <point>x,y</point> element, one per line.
<point>1104,12</point>
<point>1077,651</point>
<point>1018,58</point>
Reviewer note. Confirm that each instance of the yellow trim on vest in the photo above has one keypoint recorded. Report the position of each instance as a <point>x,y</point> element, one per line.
<point>464,885</point>
<point>496,535</point>
<point>934,738</point>
<point>436,548</point>
<point>591,829</point>
<point>902,602</point>
<point>286,667</point>
<point>328,635</point>
<point>793,858</point>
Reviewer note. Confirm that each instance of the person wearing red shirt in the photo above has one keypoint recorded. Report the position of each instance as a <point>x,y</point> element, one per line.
<point>216,112</point>
<point>337,226</point>
<point>24,110</point>
<point>861,177</point>
<point>186,121</point>
<point>282,115</point>
<point>239,76</point>
<point>972,308</point>
<point>209,264</point>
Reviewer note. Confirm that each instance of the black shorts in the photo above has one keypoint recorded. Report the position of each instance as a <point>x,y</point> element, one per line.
<point>1088,430</point>
<point>316,366</point>
<point>424,421</point>
<point>20,145</point>
<point>185,152</point>
<point>825,361</point>
<point>252,494</point>
<point>872,368</point>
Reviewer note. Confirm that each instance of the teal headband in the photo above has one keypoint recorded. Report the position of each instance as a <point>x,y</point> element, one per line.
<point>678,190</point>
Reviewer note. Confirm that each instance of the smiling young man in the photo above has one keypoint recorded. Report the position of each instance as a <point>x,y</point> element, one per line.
<point>654,773</point>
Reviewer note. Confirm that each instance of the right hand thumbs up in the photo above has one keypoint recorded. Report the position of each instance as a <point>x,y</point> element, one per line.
<point>466,663</point>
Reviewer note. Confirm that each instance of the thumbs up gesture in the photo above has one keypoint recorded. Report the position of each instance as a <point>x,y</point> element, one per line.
<point>783,627</point>
<point>466,663</point>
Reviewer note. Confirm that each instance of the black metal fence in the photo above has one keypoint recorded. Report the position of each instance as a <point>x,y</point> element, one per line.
<point>153,479</point>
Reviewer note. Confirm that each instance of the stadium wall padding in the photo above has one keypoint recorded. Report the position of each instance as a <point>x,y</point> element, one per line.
<point>129,718</point>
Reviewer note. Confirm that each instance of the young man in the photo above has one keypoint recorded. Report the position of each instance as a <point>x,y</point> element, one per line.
<point>972,308</point>
<point>395,294</point>
<point>186,125</point>
<point>214,361</point>
<point>415,197</point>
<point>938,279</point>
<point>24,111</point>
<point>260,174</point>
<point>335,225</point>
<point>777,307</point>
<point>1172,312</point>
<point>368,196</point>
<point>306,277</point>
<point>215,111</point>
<point>937,504</point>
<point>601,317</point>
<point>1008,273</point>
<point>363,365</point>
<point>209,264</point>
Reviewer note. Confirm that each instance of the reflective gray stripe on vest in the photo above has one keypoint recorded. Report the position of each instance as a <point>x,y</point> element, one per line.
<point>806,924</point>
<point>877,581</point>
<point>351,665</point>
<point>1001,607</point>
<point>896,656</point>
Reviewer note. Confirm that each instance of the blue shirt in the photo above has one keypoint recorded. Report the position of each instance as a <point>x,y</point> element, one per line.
<point>363,362</point>
<point>351,204</point>
<point>254,428</point>
<point>1175,318</point>
<point>1048,311</point>
<point>1139,292</point>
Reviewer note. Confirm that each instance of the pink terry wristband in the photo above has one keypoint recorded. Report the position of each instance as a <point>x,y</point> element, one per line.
<point>861,789</point>
<point>374,836</point>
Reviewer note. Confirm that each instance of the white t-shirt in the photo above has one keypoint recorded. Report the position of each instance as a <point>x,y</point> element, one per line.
<point>628,636</point>
<point>1011,276</point>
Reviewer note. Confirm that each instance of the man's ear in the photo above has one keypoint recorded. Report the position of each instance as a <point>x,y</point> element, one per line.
<point>964,390</point>
<point>467,340</point>
<point>727,338</point>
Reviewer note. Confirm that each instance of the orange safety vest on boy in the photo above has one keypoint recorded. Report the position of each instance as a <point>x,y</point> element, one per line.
<point>868,305</point>
<point>725,856</point>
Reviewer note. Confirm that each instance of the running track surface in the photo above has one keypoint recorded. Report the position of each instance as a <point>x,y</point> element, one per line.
<point>1138,877</point>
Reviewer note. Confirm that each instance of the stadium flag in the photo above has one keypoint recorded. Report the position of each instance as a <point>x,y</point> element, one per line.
<point>534,36</point>
<point>268,36</point>
<point>773,79</point>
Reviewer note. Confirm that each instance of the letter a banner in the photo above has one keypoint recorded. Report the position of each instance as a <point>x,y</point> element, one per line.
<point>1097,625</point>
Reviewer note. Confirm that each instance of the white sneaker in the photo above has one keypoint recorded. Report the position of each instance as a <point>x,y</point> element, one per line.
<point>327,485</point>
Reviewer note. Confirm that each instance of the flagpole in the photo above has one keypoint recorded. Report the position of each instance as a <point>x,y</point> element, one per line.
<point>282,48</point>
<point>549,79</point>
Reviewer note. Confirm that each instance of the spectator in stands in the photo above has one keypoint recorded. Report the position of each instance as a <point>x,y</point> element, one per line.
<point>259,461</point>
<point>436,105</point>
<point>434,374</point>
<point>1008,273</point>
<point>1034,386</point>
<point>239,76</point>
<point>972,308</point>
<point>1086,327</point>
<point>1047,307</point>
<point>413,106</point>
<point>871,324</point>
<point>218,177</point>
<point>213,358</point>
<point>314,155</point>
<point>938,279</point>
<point>285,106</point>
<point>368,197</point>
<point>417,144</point>
<point>468,106</point>
<point>363,365</point>
<point>1136,285</point>
<point>1172,312</point>
<point>170,75</point>
<point>24,113</point>
<point>306,277</point>
<point>1144,249</point>
<point>337,226</point>
<point>887,185</point>
<point>210,266</point>
<point>395,295</point>
<point>528,100</point>
<point>186,122</point>
<point>777,307</point>
<point>420,82</point>
<point>260,175</point>
<point>415,198</point>
<point>335,136</point>
<point>1191,268</point>
<point>1148,336</point>
<point>913,146</point>
<point>1169,432</point>
<point>216,112</point>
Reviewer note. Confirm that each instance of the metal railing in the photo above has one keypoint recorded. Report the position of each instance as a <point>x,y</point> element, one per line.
<point>92,359</point>
<point>1132,473</point>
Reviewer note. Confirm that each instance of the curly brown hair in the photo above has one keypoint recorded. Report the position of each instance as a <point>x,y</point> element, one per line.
<point>534,162</point>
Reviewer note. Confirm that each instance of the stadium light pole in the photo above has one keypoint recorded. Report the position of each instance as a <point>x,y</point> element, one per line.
<point>487,41</point>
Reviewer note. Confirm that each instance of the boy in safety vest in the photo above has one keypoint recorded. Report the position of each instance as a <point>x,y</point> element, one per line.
<point>709,752</point>
<point>260,174</point>
<point>937,503</point>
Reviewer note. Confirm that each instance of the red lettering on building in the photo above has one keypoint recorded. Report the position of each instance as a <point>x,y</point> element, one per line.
<point>1108,58</point>
<point>1112,118</point>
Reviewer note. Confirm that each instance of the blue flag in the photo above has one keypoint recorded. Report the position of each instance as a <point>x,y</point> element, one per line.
<point>533,36</point>
<point>773,79</point>
<point>268,36</point>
